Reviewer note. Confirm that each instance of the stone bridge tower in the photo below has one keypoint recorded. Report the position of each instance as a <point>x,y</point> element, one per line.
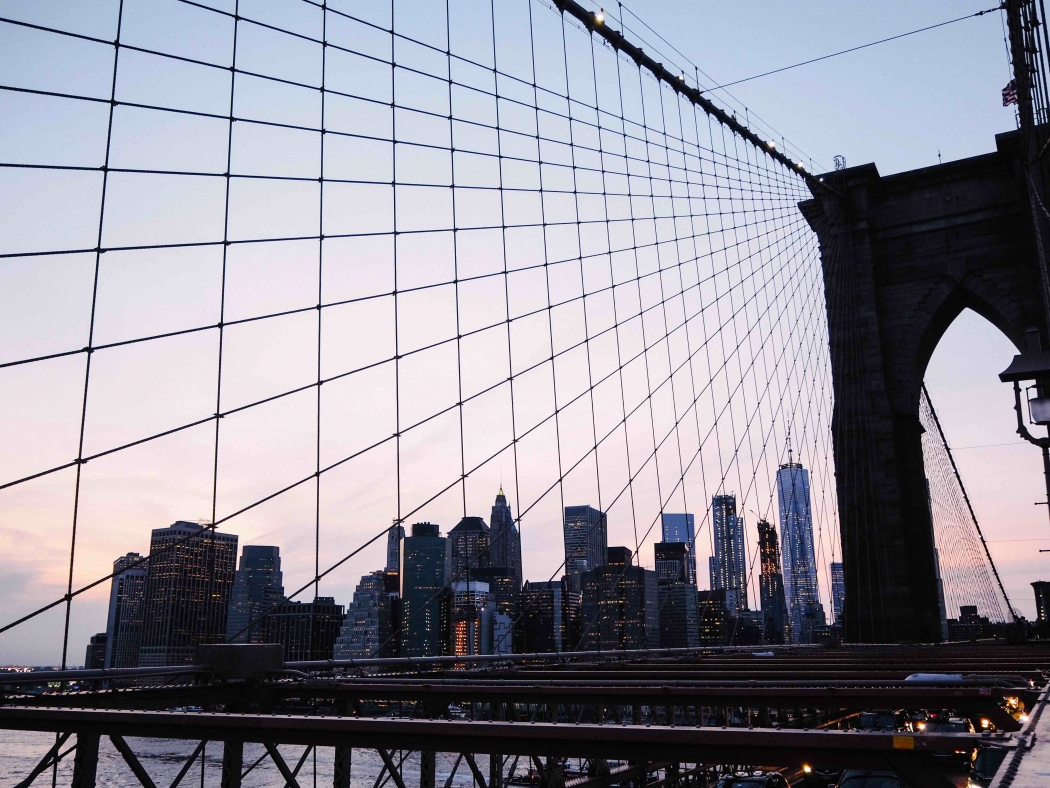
<point>903,255</point>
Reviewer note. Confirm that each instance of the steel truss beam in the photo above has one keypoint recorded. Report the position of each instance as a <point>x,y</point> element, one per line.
<point>788,748</point>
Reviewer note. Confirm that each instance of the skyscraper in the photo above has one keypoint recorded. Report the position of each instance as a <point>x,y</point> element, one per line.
<point>307,630</point>
<point>371,619</point>
<point>95,656</point>
<point>393,546</point>
<point>425,567</point>
<point>505,550</point>
<point>188,587</point>
<point>771,584</point>
<point>679,528</point>
<point>469,544</point>
<point>549,617</point>
<point>676,596</point>
<point>796,538</point>
<point>127,593</point>
<point>257,586</point>
<point>586,539</point>
<point>1042,600</point>
<point>838,590</point>
<point>729,563</point>
<point>467,627</point>
<point>620,608</point>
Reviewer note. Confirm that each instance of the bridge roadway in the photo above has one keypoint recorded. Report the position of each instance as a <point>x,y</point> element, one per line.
<point>698,709</point>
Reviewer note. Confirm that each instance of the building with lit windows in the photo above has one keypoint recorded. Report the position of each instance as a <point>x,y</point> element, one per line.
<point>425,569</point>
<point>371,619</point>
<point>620,607</point>
<point>728,565</point>
<point>306,630</point>
<point>127,593</point>
<point>676,596</point>
<point>188,590</point>
<point>771,584</point>
<point>838,590</point>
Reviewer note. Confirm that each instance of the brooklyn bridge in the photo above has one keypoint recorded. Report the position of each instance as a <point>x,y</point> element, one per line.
<point>505,310</point>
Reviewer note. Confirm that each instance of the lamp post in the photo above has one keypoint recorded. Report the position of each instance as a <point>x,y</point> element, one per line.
<point>1033,366</point>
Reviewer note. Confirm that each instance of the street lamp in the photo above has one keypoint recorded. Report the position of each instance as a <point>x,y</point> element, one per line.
<point>1034,367</point>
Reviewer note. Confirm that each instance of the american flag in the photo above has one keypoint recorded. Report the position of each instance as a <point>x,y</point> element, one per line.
<point>1010,94</point>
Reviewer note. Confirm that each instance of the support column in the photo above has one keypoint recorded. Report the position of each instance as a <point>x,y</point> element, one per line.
<point>427,768</point>
<point>343,757</point>
<point>85,762</point>
<point>232,763</point>
<point>495,771</point>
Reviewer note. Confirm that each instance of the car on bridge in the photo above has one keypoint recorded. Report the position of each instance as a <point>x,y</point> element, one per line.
<point>769,780</point>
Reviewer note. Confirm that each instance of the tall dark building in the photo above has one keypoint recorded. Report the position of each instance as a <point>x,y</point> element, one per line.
<point>371,619</point>
<point>771,584</point>
<point>469,547</point>
<point>505,550</point>
<point>187,592</point>
<point>586,539</point>
<point>425,567</point>
<point>127,593</point>
<point>1042,600</point>
<point>307,630</point>
<point>712,617</point>
<point>549,617</point>
<point>620,609</point>
<point>729,563</point>
<point>393,546</point>
<point>95,656</point>
<point>257,586</point>
<point>502,587</point>
<point>676,596</point>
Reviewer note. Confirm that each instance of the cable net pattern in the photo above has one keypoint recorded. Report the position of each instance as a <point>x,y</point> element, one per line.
<point>966,567</point>
<point>301,270</point>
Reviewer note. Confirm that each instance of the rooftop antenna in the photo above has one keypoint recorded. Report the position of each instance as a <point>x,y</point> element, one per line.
<point>791,454</point>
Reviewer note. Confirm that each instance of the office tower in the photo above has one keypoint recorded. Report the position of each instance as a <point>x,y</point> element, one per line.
<point>676,596</point>
<point>620,607</point>
<point>712,617</point>
<point>548,617</point>
<point>307,630</point>
<point>393,546</point>
<point>729,563</point>
<point>771,584</point>
<point>95,656</point>
<point>585,532</point>
<point>257,587</point>
<point>425,570</point>
<point>838,590</point>
<point>188,586</point>
<point>505,550</point>
<point>467,627</point>
<point>679,528</point>
<point>501,586</point>
<point>371,619</point>
<point>469,547</point>
<point>1042,600</point>
<point>796,540</point>
<point>127,592</point>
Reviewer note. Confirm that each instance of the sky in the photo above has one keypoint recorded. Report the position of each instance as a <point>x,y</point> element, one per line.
<point>895,105</point>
